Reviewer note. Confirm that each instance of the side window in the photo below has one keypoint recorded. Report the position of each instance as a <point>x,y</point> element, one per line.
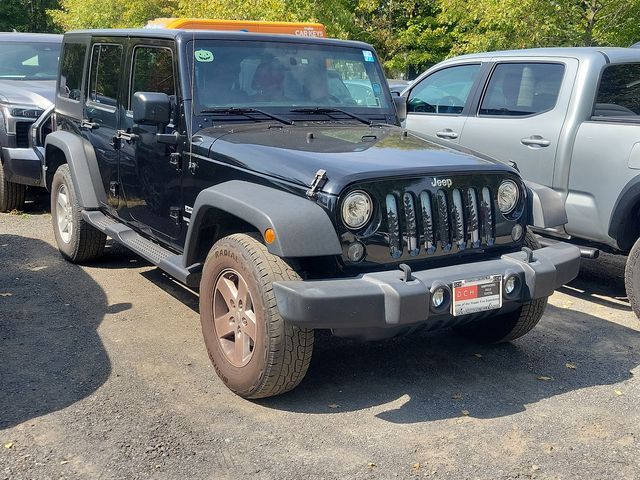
<point>104,76</point>
<point>519,89</point>
<point>152,71</point>
<point>445,91</point>
<point>619,92</point>
<point>70,82</point>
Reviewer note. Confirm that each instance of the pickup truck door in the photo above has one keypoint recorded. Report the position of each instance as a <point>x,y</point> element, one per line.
<point>437,104</point>
<point>520,115</point>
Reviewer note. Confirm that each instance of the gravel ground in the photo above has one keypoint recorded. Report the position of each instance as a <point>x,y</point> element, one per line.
<point>103,374</point>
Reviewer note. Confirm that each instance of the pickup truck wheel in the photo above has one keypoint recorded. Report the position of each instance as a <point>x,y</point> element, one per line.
<point>254,352</point>
<point>77,240</point>
<point>632,278</point>
<point>508,326</point>
<point>11,194</point>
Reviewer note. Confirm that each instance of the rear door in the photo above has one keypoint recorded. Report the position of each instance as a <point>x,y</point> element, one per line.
<point>437,105</point>
<point>149,175</point>
<point>100,118</point>
<point>521,114</point>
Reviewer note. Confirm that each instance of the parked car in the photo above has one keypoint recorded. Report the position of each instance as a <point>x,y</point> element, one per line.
<point>28,71</point>
<point>569,118</point>
<point>223,158</point>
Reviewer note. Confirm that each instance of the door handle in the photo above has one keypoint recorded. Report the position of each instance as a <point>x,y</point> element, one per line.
<point>447,133</point>
<point>126,136</point>
<point>535,141</point>
<point>88,124</point>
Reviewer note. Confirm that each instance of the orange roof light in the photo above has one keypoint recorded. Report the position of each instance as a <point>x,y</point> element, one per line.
<point>302,29</point>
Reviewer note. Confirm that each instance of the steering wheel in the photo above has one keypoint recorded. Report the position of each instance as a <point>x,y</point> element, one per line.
<point>449,101</point>
<point>417,105</point>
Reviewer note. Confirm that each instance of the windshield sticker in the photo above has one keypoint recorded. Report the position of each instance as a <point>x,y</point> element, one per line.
<point>377,89</point>
<point>204,56</point>
<point>368,56</point>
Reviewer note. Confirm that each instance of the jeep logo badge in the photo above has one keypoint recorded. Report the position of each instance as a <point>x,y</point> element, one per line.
<point>443,182</point>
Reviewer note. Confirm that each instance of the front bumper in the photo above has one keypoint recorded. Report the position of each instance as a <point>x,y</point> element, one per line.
<point>385,300</point>
<point>23,165</point>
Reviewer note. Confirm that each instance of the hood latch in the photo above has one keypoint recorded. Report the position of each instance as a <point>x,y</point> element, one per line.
<point>318,181</point>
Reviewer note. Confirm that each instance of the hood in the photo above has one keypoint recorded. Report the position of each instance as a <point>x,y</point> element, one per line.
<point>347,153</point>
<point>40,93</point>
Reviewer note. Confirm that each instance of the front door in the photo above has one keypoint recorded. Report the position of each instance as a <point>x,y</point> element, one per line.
<point>100,119</point>
<point>150,175</point>
<point>521,115</point>
<point>436,104</point>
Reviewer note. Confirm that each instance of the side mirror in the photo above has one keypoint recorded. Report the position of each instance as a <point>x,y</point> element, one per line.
<point>151,108</point>
<point>401,108</point>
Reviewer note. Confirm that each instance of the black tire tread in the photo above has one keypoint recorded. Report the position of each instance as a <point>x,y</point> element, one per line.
<point>11,194</point>
<point>287,362</point>
<point>90,241</point>
<point>632,278</point>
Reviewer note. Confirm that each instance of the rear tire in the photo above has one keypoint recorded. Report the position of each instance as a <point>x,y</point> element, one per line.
<point>11,194</point>
<point>253,350</point>
<point>632,278</point>
<point>508,326</point>
<point>77,240</point>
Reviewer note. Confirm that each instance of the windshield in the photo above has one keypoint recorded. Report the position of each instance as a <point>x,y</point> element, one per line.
<point>29,61</point>
<point>246,74</point>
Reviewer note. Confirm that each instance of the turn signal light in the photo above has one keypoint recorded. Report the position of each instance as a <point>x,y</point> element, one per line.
<point>269,235</point>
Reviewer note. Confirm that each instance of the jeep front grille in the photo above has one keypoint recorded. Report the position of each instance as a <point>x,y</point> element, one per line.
<point>448,220</point>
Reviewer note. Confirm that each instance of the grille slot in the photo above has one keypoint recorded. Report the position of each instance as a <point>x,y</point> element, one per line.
<point>462,218</point>
<point>22,134</point>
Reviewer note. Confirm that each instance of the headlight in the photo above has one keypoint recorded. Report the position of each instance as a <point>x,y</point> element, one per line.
<point>356,209</point>
<point>23,112</point>
<point>508,195</point>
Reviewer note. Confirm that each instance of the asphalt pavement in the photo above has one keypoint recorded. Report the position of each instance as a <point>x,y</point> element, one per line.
<point>103,374</point>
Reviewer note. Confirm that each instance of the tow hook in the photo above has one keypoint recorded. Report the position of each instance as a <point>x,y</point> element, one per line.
<point>406,270</point>
<point>529,253</point>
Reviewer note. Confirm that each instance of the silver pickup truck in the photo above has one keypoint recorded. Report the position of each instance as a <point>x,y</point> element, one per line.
<point>568,117</point>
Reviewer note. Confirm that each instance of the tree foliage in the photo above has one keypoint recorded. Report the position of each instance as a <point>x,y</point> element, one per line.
<point>409,35</point>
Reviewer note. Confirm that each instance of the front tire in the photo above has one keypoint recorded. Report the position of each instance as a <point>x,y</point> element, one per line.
<point>77,240</point>
<point>508,326</point>
<point>632,278</point>
<point>11,194</point>
<point>254,352</point>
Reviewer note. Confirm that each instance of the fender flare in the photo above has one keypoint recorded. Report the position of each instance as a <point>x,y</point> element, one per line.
<point>546,206</point>
<point>623,226</point>
<point>303,228</point>
<point>83,165</point>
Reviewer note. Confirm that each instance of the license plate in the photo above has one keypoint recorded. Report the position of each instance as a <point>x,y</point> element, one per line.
<point>477,295</point>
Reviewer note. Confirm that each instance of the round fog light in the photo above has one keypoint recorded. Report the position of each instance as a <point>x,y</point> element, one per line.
<point>437,297</point>
<point>355,252</point>
<point>510,284</point>
<point>516,232</point>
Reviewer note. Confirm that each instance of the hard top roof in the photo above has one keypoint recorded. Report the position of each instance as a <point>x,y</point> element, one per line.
<point>186,35</point>
<point>30,37</point>
<point>613,53</point>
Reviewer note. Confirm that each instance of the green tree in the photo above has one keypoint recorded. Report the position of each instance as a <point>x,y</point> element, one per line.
<point>26,15</point>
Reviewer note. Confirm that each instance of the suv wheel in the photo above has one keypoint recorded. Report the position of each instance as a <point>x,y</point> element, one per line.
<point>508,326</point>
<point>254,352</point>
<point>77,240</point>
<point>632,278</point>
<point>11,194</point>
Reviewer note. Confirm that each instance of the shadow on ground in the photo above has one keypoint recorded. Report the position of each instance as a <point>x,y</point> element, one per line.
<point>52,355</point>
<point>433,376</point>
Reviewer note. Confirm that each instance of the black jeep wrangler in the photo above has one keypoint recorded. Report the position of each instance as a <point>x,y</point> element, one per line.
<point>272,173</point>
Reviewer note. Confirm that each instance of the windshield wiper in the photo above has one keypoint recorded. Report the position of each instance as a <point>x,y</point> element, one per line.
<point>329,111</point>
<point>247,113</point>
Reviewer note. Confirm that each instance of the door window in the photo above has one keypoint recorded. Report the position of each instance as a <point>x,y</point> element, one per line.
<point>619,92</point>
<point>520,89</point>
<point>104,76</point>
<point>71,71</point>
<point>445,91</point>
<point>152,71</point>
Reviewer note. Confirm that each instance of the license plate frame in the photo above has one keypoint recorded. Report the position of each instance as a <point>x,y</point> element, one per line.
<point>477,294</point>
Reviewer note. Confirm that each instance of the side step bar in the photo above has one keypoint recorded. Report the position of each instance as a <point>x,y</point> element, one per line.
<point>165,259</point>
<point>585,252</point>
